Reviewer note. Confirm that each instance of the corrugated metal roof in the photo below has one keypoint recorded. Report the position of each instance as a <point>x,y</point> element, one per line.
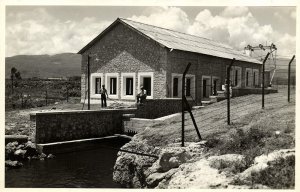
<point>185,42</point>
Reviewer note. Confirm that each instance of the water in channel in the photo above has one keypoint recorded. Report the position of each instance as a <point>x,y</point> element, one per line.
<point>91,168</point>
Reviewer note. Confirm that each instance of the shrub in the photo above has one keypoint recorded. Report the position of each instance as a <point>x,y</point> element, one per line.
<point>279,175</point>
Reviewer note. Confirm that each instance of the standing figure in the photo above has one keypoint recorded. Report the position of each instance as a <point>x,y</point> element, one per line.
<point>141,96</point>
<point>103,92</point>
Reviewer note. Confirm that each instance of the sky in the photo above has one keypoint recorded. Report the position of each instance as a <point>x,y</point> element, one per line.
<point>35,30</point>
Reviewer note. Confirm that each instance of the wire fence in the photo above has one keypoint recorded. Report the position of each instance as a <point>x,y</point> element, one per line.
<point>29,93</point>
<point>279,92</point>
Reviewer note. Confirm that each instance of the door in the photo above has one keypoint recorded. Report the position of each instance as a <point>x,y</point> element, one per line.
<point>215,87</point>
<point>147,85</point>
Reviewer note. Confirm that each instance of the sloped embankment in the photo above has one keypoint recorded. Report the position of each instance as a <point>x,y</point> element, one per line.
<point>256,151</point>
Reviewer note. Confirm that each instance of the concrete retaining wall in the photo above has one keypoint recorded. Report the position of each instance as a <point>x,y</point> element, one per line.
<point>72,125</point>
<point>156,108</point>
<point>55,126</point>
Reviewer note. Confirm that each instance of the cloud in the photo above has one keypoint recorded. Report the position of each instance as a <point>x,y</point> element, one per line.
<point>167,17</point>
<point>235,11</point>
<point>235,26</point>
<point>47,34</point>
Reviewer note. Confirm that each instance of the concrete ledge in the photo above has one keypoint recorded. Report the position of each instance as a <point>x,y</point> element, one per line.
<point>82,111</point>
<point>74,145</point>
<point>18,138</point>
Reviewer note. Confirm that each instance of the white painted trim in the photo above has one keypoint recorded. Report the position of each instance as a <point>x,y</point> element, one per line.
<point>92,80</point>
<point>146,74</point>
<point>107,84</point>
<point>193,85</point>
<point>123,76</point>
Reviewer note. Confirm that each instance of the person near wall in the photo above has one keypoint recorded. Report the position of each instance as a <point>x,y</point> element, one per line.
<point>224,88</point>
<point>141,97</point>
<point>104,95</point>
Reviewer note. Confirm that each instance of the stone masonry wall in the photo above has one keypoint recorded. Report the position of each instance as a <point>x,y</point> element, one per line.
<point>202,65</point>
<point>72,125</point>
<point>122,50</point>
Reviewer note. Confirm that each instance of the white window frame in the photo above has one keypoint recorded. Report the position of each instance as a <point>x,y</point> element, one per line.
<point>256,77</point>
<point>107,85</point>
<point>232,75</point>
<point>93,82</point>
<point>193,85</point>
<point>123,77</point>
<point>146,74</point>
<point>249,79</point>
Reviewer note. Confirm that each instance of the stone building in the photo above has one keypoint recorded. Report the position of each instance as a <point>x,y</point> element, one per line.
<point>128,54</point>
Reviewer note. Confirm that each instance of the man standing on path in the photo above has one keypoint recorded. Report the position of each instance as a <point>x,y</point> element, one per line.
<point>103,92</point>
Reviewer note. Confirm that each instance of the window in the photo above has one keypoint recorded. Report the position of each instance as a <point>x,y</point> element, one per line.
<point>175,87</point>
<point>235,76</point>
<point>177,83</point>
<point>147,85</point>
<point>188,87</point>
<point>128,86</point>
<point>255,77</point>
<point>96,81</point>
<point>97,85</point>
<point>112,85</point>
<point>145,79</point>
<point>248,77</point>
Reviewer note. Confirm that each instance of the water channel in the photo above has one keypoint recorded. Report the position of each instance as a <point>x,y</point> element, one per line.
<point>92,168</point>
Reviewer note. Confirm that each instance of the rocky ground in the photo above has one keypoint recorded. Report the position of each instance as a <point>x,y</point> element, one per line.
<point>17,153</point>
<point>255,151</point>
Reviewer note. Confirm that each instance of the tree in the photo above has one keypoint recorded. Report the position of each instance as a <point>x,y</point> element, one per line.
<point>14,74</point>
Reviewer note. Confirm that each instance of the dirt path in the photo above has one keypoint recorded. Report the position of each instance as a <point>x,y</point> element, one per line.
<point>212,119</point>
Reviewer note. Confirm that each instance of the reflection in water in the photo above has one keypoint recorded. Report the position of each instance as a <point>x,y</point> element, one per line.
<point>91,168</point>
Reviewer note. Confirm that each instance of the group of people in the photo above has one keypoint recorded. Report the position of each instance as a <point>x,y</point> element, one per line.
<point>140,98</point>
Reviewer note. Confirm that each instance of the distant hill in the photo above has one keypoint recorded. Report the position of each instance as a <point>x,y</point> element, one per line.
<point>44,66</point>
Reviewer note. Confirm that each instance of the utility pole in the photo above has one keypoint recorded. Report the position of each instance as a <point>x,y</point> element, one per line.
<point>182,103</point>
<point>228,90</point>
<point>289,79</point>
<point>88,79</point>
<point>263,81</point>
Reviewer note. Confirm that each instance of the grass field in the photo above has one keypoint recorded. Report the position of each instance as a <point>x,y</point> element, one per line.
<point>252,130</point>
<point>30,93</point>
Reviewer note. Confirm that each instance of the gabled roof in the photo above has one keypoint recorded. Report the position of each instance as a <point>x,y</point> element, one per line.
<point>180,41</point>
